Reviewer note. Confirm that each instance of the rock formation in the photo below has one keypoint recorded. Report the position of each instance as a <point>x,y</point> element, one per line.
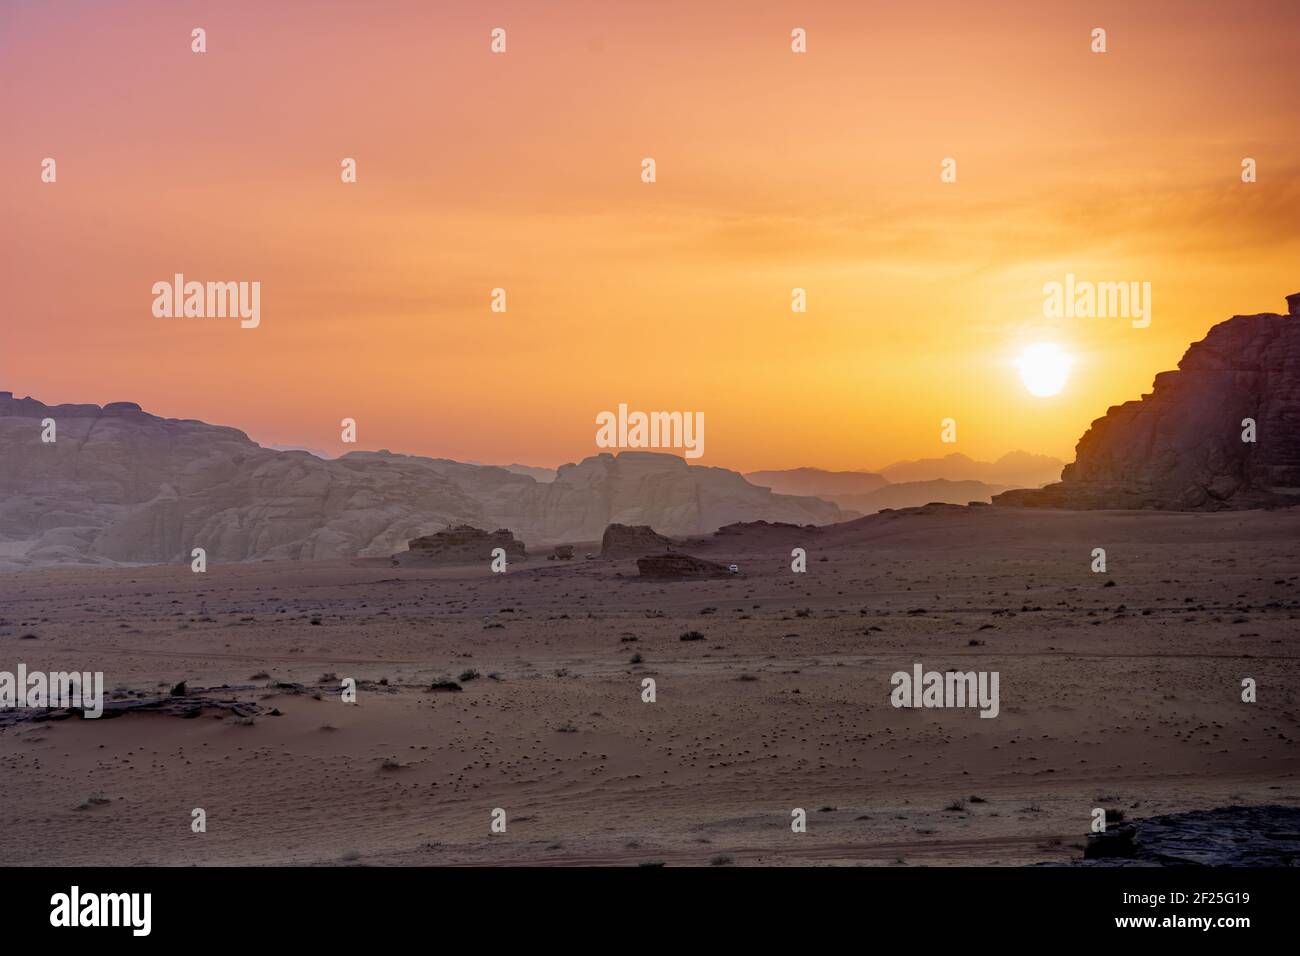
<point>663,491</point>
<point>1224,836</point>
<point>677,566</point>
<point>119,485</point>
<point>1181,447</point>
<point>463,544</point>
<point>630,541</point>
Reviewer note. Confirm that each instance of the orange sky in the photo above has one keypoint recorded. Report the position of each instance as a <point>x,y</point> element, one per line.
<point>522,171</point>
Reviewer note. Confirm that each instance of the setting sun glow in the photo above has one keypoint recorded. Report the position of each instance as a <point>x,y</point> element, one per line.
<point>377,291</point>
<point>1044,368</point>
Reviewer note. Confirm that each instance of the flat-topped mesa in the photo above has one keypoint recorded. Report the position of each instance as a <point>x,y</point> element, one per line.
<point>463,544</point>
<point>1220,432</point>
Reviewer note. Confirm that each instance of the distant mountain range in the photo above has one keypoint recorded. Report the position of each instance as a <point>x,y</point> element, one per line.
<point>1017,469</point>
<point>913,494</point>
<point>119,485</point>
<point>953,479</point>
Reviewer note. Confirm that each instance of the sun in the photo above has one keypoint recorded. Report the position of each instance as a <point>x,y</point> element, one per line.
<point>1044,368</point>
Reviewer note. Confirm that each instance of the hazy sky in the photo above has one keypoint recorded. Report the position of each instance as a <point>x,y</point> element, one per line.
<point>775,170</point>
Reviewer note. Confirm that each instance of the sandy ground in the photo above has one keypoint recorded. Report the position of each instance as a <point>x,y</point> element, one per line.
<point>1124,697</point>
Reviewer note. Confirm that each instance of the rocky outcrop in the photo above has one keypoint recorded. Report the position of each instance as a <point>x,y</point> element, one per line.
<point>460,545</point>
<point>119,485</point>
<point>677,566</point>
<point>1181,447</point>
<point>663,491</point>
<point>630,541</point>
<point>1224,836</point>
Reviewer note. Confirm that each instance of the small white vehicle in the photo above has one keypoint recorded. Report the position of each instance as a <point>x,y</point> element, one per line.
<point>733,568</point>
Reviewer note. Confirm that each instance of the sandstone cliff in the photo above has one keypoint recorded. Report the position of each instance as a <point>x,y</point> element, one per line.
<point>663,491</point>
<point>1180,447</point>
<point>122,486</point>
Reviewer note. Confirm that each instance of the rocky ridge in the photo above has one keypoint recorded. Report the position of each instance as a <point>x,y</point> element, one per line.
<point>121,486</point>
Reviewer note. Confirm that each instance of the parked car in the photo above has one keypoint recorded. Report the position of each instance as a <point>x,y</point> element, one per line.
<point>733,568</point>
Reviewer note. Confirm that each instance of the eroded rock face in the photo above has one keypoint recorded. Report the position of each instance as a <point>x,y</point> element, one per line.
<point>662,491</point>
<point>630,541</point>
<point>460,545</point>
<point>122,486</point>
<point>1180,447</point>
<point>678,567</point>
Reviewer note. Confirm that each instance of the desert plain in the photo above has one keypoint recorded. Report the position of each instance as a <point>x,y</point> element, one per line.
<point>1120,689</point>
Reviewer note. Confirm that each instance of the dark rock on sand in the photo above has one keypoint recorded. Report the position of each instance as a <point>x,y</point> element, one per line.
<point>462,544</point>
<point>628,541</point>
<point>187,706</point>
<point>678,566</point>
<point>1225,836</point>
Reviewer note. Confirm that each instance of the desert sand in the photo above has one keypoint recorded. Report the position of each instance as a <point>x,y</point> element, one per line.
<point>1123,695</point>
